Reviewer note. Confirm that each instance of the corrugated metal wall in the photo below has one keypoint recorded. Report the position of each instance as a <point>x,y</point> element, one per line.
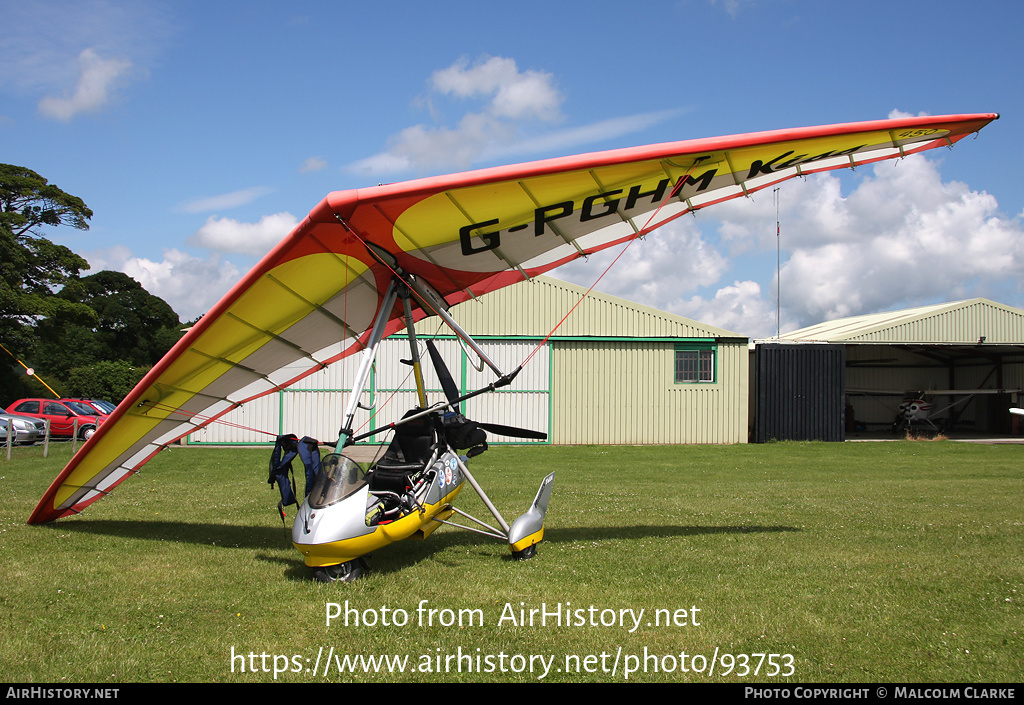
<point>961,322</point>
<point>965,323</point>
<point>525,403</point>
<point>612,384</point>
<point>800,392</point>
<point>622,392</point>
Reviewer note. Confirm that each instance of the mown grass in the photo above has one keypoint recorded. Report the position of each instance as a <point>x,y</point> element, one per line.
<point>867,562</point>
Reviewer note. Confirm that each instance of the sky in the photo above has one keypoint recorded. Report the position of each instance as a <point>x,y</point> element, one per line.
<point>200,133</point>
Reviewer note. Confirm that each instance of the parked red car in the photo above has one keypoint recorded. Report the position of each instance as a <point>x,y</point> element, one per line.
<point>62,415</point>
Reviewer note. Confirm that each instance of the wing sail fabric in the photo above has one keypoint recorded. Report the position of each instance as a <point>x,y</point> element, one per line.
<point>311,300</point>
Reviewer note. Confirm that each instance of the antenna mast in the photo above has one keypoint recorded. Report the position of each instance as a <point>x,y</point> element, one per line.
<point>778,267</point>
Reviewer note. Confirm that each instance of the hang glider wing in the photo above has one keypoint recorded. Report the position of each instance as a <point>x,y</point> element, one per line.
<point>309,302</point>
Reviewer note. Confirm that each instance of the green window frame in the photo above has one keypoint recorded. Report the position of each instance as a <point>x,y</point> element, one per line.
<point>696,364</point>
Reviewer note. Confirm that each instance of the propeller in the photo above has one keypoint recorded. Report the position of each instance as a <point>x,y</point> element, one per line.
<point>451,392</point>
<point>513,431</point>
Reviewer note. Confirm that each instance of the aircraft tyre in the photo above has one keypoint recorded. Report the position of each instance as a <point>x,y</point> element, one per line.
<point>526,554</point>
<point>342,572</point>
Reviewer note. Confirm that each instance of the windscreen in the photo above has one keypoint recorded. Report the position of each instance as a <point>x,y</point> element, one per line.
<point>339,477</point>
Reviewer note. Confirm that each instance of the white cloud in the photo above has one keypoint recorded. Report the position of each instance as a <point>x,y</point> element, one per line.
<point>422,148</point>
<point>228,235</point>
<point>507,105</point>
<point>112,257</point>
<point>313,164</point>
<point>224,201</point>
<point>509,96</point>
<point>897,113</point>
<point>739,308</point>
<point>584,134</point>
<point>513,94</point>
<point>733,7</point>
<point>77,53</point>
<point>666,268</point>
<point>658,271</point>
<point>905,237</point>
<point>190,285</point>
<point>96,79</point>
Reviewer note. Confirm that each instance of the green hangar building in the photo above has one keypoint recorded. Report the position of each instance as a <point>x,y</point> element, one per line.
<point>613,372</point>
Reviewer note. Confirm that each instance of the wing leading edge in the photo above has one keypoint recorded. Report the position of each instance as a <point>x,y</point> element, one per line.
<point>310,301</point>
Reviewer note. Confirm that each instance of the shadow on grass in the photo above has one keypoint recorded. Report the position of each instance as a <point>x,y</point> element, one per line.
<point>221,535</point>
<point>405,554</point>
<point>396,557</point>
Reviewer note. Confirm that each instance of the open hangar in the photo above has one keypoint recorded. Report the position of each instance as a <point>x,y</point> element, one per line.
<point>848,377</point>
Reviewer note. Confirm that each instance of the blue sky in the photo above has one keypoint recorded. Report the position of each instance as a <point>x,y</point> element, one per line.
<point>200,133</point>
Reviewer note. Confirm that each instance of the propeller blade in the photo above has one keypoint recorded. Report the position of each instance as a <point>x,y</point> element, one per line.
<point>512,431</point>
<point>451,391</point>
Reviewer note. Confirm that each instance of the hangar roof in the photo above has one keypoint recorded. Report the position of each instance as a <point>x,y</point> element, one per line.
<point>955,323</point>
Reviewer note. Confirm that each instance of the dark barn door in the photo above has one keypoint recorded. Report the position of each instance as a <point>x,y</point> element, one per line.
<point>800,392</point>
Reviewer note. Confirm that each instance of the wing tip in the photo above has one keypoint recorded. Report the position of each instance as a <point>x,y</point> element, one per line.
<point>43,514</point>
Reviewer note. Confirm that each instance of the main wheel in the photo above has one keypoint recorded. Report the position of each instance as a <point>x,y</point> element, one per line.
<point>526,554</point>
<point>342,572</point>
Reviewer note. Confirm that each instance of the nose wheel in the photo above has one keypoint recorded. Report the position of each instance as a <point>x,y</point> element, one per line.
<point>342,572</point>
<point>526,554</point>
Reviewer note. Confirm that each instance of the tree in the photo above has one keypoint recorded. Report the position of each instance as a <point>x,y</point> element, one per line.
<point>32,268</point>
<point>130,326</point>
<point>110,380</point>
<point>59,320</point>
<point>131,323</point>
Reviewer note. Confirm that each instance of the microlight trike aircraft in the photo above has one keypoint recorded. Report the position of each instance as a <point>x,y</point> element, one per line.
<point>366,263</point>
<point>349,512</point>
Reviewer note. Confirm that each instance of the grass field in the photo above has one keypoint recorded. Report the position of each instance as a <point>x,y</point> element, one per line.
<point>856,562</point>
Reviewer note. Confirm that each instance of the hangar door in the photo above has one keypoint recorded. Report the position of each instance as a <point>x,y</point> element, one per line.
<point>799,392</point>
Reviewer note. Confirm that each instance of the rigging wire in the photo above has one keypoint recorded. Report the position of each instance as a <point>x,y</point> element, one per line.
<point>204,420</point>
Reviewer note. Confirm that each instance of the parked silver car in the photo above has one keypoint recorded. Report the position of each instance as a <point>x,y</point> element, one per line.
<point>27,429</point>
